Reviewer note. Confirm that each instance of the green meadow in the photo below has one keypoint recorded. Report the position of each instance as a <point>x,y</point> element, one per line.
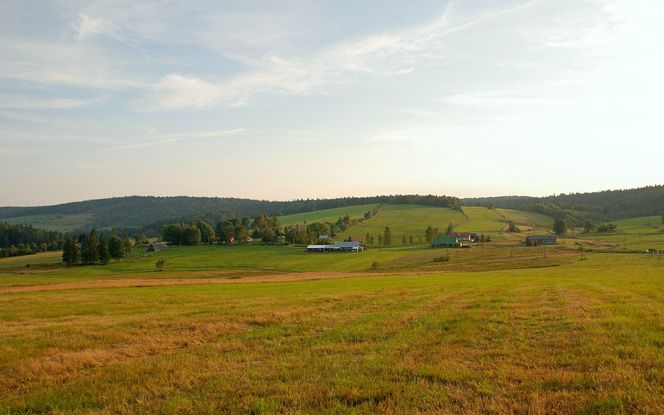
<point>406,220</point>
<point>326,215</point>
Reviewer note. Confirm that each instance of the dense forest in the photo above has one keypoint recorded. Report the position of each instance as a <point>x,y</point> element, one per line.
<point>135,212</point>
<point>18,240</point>
<point>580,207</point>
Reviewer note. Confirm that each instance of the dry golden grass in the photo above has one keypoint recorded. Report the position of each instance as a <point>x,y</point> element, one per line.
<point>582,337</point>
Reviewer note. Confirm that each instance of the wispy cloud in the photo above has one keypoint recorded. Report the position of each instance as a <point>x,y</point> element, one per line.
<point>176,138</point>
<point>389,54</point>
<point>28,103</point>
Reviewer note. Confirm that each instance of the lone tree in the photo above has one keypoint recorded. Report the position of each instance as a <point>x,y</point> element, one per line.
<point>513,228</point>
<point>588,227</point>
<point>450,229</point>
<point>387,236</point>
<point>560,227</point>
<point>428,234</point>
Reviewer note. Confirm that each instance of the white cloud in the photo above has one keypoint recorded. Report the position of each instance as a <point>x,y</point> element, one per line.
<point>88,26</point>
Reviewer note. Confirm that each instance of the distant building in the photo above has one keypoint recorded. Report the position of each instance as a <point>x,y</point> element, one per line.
<point>323,238</point>
<point>535,240</point>
<point>447,242</point>
<point>157,246</point>
<point>337,247</point>
<point>465,236</point>
<point>349,246</point>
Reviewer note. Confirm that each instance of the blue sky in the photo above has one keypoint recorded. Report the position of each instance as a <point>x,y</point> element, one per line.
<point>290,99</point>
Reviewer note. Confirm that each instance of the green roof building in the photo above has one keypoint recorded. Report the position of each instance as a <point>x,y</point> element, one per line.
<point>445,241</point>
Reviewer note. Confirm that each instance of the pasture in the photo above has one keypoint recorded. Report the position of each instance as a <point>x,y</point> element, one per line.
<point>406,220</point>
<point>326,215</point>
<point>586,336</point>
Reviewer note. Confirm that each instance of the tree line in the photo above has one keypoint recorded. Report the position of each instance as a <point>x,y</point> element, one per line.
<point>577,208</point>
<point>16,240</point>
<point>229,231</point>
<point>91,248</point>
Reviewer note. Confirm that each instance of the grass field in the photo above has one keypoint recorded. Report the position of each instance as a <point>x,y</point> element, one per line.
<point>62,223</point>
<point>326,215</point>
<point>635,233</point>
<point>406,220</point>
<point>526,221</point>
<point>583,337</point>
<point>482,220</point>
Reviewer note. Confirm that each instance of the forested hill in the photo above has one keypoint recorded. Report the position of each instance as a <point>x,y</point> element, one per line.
<point>138,211</point>
<point>578,207</point>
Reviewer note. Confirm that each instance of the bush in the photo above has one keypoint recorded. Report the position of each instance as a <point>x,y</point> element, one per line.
<point>160,265</point>
<point>444,258</point>
<point>375,265</point>
<point>606,228</point>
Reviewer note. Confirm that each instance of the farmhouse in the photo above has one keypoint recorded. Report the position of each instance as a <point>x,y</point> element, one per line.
<point>465,236</point>
<point>446,241</point>
<point>337,247</point>
<point>157,246</point>
<point>535,240</point>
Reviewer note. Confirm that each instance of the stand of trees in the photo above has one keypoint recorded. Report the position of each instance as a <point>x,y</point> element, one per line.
<point>90,249</point>
<point>227,231</point>
<point>16,240</point>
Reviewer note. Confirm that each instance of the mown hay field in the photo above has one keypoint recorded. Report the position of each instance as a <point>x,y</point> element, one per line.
<point>585,336</point>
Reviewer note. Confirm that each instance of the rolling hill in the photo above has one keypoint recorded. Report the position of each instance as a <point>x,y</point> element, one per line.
<point>136,212</point>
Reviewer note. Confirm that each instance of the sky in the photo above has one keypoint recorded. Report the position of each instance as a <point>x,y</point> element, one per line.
<point>292,99</point>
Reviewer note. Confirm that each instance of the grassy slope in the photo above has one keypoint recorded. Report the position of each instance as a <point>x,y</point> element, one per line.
<point>406,220</point>
<point>482,220</point>
<point>636,233</point>
<point>326,215</point>
<point>586,337</point>
<point>62,223</point>
<point>527,221</point>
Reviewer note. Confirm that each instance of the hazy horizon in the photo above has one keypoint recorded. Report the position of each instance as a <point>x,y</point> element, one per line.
<point>287,100</point>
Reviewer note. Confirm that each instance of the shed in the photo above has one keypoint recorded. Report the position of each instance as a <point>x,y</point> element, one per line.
<point>535,240</point>
<point>157,246</point>
<point>349,246</point>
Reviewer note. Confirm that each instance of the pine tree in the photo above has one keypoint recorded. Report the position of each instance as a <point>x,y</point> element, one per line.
<point>103,251</point>
<point>115,248</point>
<point>450,229</point>
<point>387,236</point>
